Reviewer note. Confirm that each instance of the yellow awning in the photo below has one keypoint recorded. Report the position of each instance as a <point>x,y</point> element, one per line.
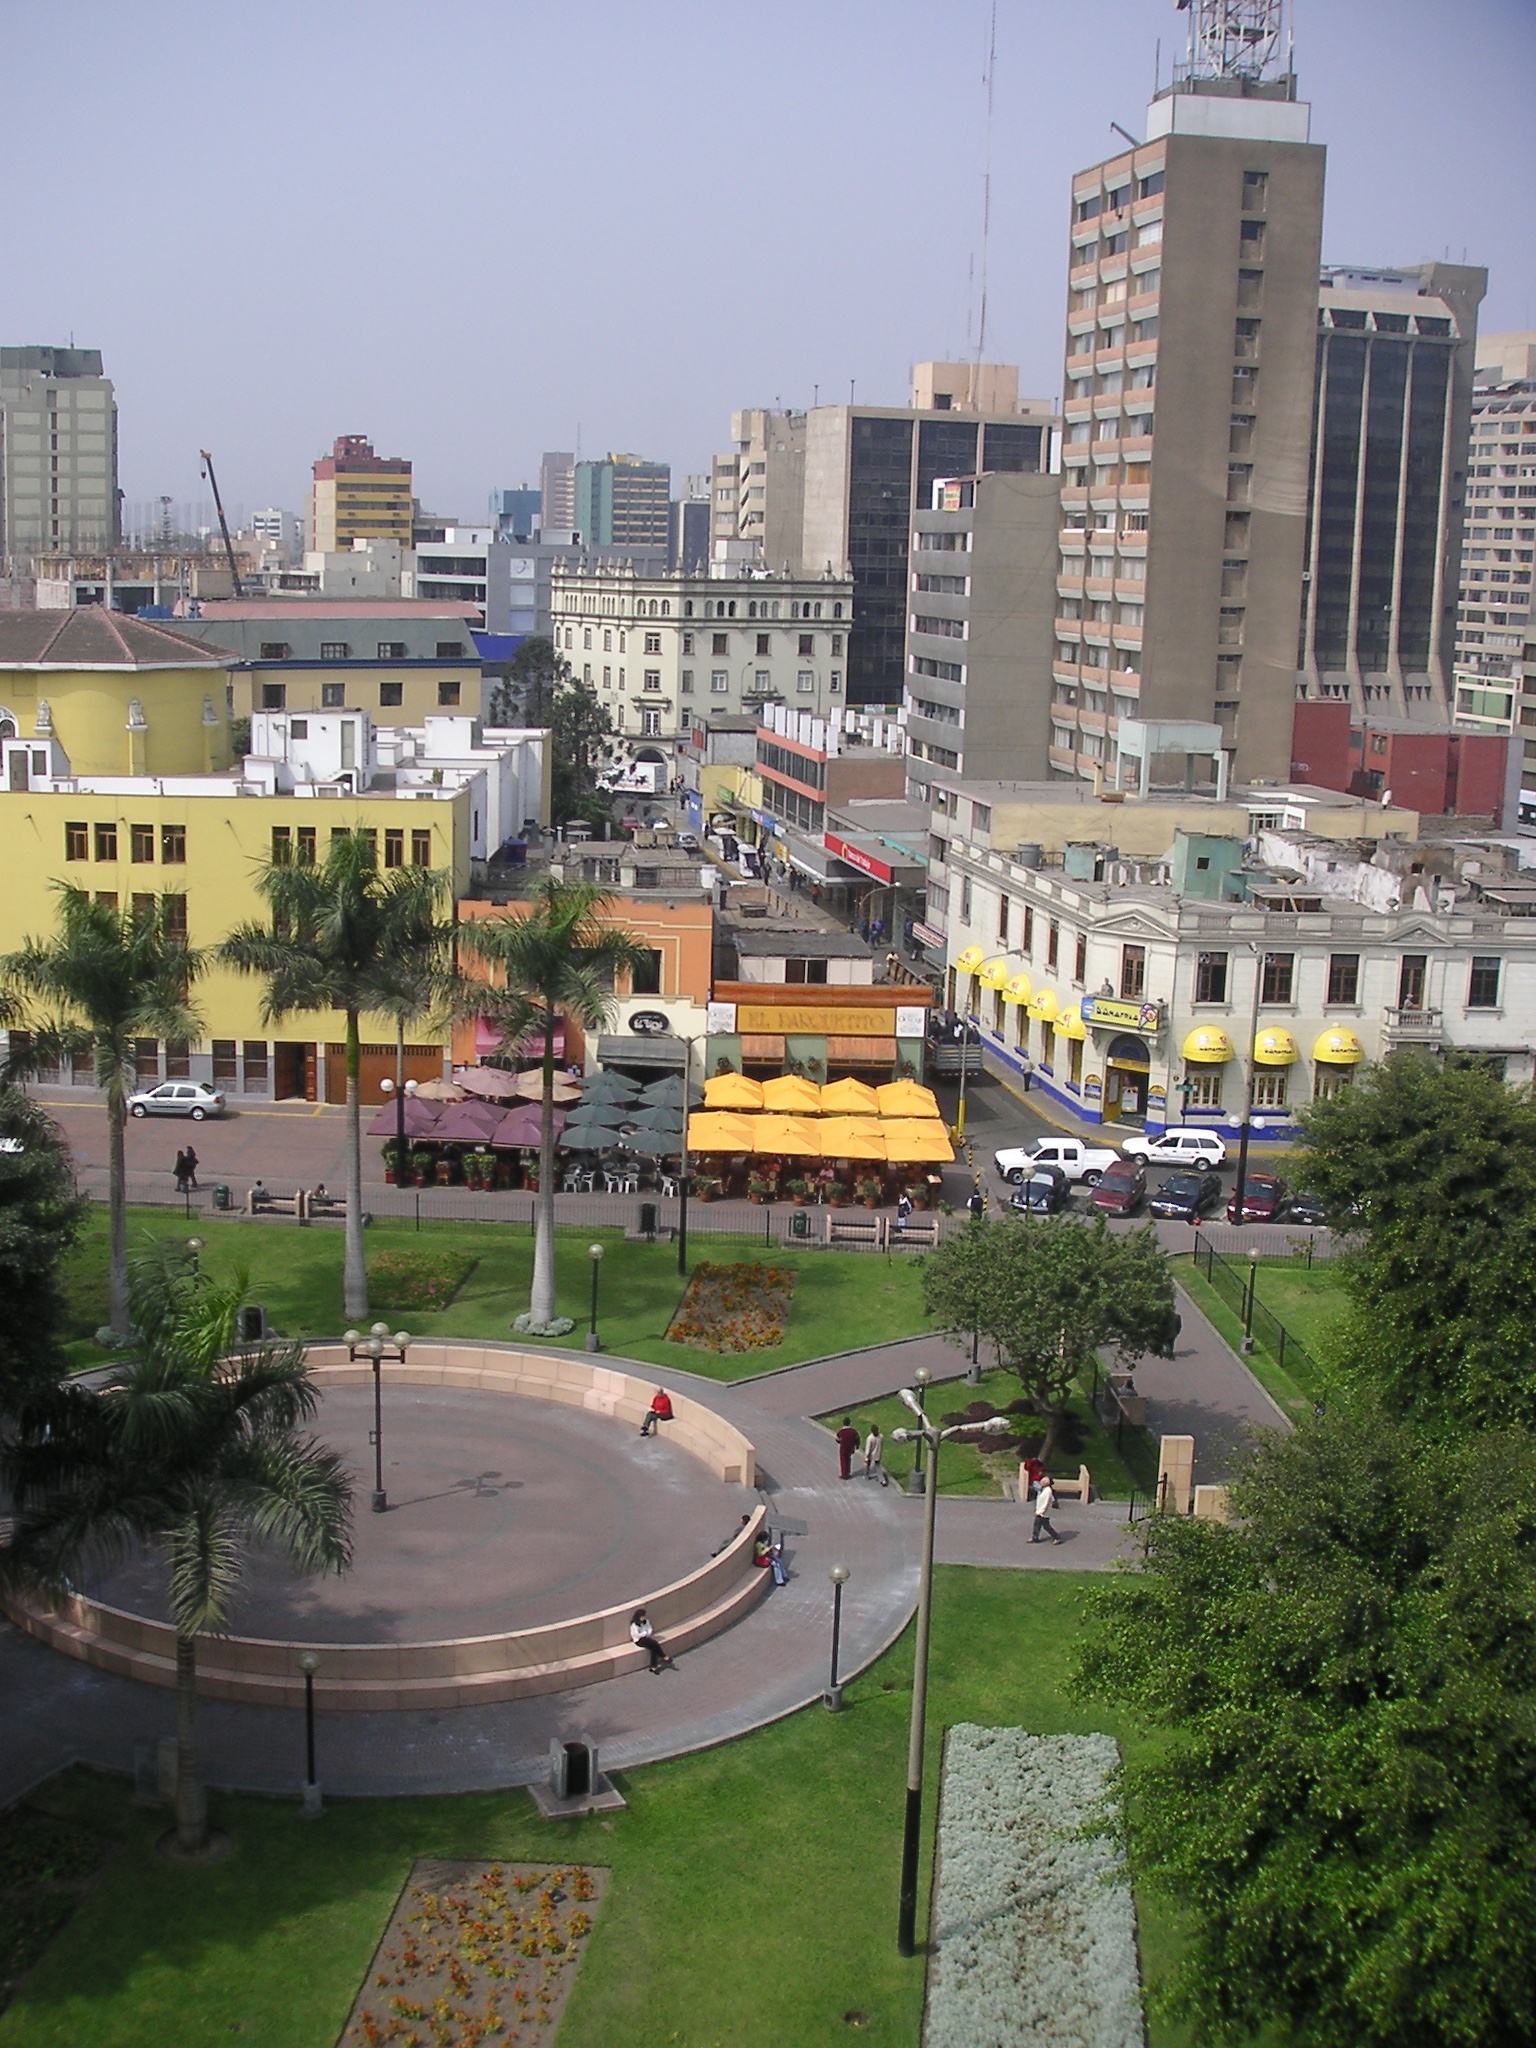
<point>792,1137</point>
<point>1275,1048</point>
<point>792,1095</point>
<point>994,974</point>
<point>1207,1046</point>
<point>1043,1005</point>
<point>851,1137</point>
<point>1338,1048</point>
<point>717,1131</point>
<point>849,1098</point>
<point>917,1141</point>
<point>906,1098</point>
<point>1018,990</point>
<point>733,1091</point>
<point>969,960</point>
<point>1069,1023</point>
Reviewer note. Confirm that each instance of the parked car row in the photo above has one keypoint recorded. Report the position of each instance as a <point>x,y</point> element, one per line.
<point>1044,1171</point>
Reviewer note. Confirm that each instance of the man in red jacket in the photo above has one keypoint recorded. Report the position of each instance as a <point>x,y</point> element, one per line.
<point>847,1441</point>
<point>660,1411</point>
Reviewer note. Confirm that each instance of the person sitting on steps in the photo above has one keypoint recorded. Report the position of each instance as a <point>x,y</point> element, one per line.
<point>643,1637</point>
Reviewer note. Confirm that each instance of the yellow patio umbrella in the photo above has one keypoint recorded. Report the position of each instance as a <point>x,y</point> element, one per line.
<point>791,1137</point>
<point>733,1091</point>
<point>1337,1048</point>
<point>1043,1005</point>
<point>852,1137</point>
<point>906,1098</point>
<point>792,1094</point>
<point>1275,1048</point>
<point>994,974</point>
<point>968,961</point>
<point>849,1098</point>
<point>914,1141</point>
<point>1069,1023</point>
<point>1208,1046</point>
<point>1018,989</point>
<point>717,1131</point>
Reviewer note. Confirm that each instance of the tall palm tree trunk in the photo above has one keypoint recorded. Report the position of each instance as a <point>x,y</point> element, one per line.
<point>355,1272</point>
<point>191,1794</point>
<point>541,1299</point>
<point>117,1214</point>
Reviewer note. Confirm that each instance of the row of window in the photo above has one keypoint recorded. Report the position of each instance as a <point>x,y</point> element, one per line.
<point>720,681</point>
<point>723,608</point>
<point>341,650</point>
<point>300,846</point>
<point>1117,199</point>
<point>141,842</point>
<point>1105,340</point>
<point>333,696</point>
<point>720,643</point>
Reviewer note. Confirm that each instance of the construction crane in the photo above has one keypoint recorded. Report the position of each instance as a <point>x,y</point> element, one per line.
<point>218,504</point>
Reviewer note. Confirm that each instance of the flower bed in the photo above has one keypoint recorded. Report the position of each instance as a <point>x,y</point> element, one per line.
<point>734,1308</point>
<point>476,1952</point>
<point>1034,1927</point>
<point>417,1280</point>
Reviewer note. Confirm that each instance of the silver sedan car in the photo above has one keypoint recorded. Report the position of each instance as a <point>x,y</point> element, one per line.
<point>178,1098</point>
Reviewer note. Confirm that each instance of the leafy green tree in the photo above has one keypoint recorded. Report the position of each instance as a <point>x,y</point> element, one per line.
<point>556,958</point>
<point>1049,1293</point>
<point>191,1449</point>
<point>40,1217</point>
<point>1435,1168</point>
<point>539,688</point>
<point>1344,1805</point>
<point>107,979</point>
<point>525,693</point>
<point>344,936</point>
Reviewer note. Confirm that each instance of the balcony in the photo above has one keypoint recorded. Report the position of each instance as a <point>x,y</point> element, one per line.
<point>1410,1027</point>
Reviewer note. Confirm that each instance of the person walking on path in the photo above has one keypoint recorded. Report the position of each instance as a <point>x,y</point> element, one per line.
<point>183,1174</point>
<point>874,1446</point>
<point>643,1637</point>
<point>1026,1071</point>
<point>903,1209</point>
<point>191,1157</point>
<point>660,1410</point>
<point>847,1441</point>
<point>1045,1500</point>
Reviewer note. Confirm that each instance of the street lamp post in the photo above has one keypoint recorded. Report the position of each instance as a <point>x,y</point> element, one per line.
<point>920,1379</point>
<point>312,1808</point>
<point>376,1347</point>
<point>832,1698</point>
<point>1261,960</point>
<point>995,1425</point>
<point>682,1183</point>
<point>595,1254</point>
<point>401,1090</point>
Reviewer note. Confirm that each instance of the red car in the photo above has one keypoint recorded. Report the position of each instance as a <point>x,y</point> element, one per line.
<point>1265,1197</point>
<point>1122,1188</point>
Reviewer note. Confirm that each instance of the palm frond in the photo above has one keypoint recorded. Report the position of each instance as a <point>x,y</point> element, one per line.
<point>207,1561</point>
<point>296,1493</point>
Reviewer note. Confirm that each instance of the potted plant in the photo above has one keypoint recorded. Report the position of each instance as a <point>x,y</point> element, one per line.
<point>706,1186</point>
<point>797,1190</point>
<point>757,1187</point>
<point>422,1162</point>
<point>869,1191</point>
<point>391,1160</point>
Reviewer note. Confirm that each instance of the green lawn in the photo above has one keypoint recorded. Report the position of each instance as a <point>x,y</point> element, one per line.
<point>754,1893</point>
<point>842,1300</point>
<point>1306,1300</point>
<point>962,1467</point>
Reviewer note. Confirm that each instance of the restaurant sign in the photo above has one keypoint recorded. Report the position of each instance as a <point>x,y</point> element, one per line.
<point>1115,1013</point>
<point>856,857</point>
<point>649,1022</point>
<point>810,1021</point>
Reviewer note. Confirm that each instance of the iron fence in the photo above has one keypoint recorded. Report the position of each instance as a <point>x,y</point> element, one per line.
<point>1238,1288</point>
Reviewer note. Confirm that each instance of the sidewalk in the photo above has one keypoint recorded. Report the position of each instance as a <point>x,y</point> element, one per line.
<point>1207,1392</point>
<point>997,1533</point>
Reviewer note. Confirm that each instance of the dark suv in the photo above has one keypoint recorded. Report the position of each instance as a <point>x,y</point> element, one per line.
<point>1122,1189</point>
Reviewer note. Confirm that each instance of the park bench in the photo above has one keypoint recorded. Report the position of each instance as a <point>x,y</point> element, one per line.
<point>1079,1489</point>
<point>914,1236</point>
<point>868,1231</point>
<point>276,1205</point>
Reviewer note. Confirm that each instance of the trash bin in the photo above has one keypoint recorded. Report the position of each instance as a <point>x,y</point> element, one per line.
<point>221,1199</point>
<point>799,1223</point>
<point>647,1219</point>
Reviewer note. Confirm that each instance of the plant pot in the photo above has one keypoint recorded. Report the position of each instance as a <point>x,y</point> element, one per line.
<point>389,1176</point>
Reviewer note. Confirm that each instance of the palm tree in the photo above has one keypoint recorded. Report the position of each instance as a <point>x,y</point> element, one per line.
<point>559,957</point>
<point>342,936</point>
<point>190,1449</point>
<point>107,979</point>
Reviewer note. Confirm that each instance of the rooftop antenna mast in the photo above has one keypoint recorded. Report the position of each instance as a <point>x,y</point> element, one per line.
<point>218,503</point>
<point>986,204</point>
<point>1232,38</point>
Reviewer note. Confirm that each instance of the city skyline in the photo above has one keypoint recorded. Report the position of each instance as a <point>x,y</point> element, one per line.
<point>300,285</point>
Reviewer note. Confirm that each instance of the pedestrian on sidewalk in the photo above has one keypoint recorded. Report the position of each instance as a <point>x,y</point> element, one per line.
<point>847,1441</point>
<point>192,1167</point>
<point>903,1209</point>
<point>660,1410</point>
<point>643,1636</point>
<point>1045,1500</point>
<point>874,1448</point>
<point>183,1174</point>
<point>1026,1071</point>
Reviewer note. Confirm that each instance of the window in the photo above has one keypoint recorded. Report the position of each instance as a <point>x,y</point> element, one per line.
<point>178,1059</point>
<point>448,693</point>
<point>1255,191</point>
<point>107,898</point>
<point>807,644</point>
<point>1269,1087</point>
<point>719,682</point>
<point>810,971</point>
<point>306,846</point>
<point>981,817</point>
<point>146,1061</point>
<point>298,729</point>
<point>1210,977</point>
<point>332,696</point>
<point>687,643</point>
<point>685,682</point>
<point>282,845</point>
<point>335,650</point>
<point>1412,975</point>
<point>141,908</point>
<point>1343,977</point>
<point>421,848</point>
<point>255,1066</point>
<point>1204,1085</point>
<point>965,899</point>
<point>1080,957</point>
<point>389,694</point>
<point>1052,944</point>
<point>1027,938</point>
<point>650,723</point>
<point>1328,1082</point>
<point>837,638</point>
<point>1483,985</point>
<point>391,650</point>
<point>1002,920</point>
<point>1149,186</point>
<point>652,679</point>
<point>106,842</point>
<point>141,842</point>
<point>77,842</point>
<point>720,643</point>
<point>225,1066</point>
<point>805,681</point>
<point>1278,977</point>
<point>1133,973</point>
<point>274,650</point>
<point>173,917</point>
<point>453,650</point>
<point>762,643</point>
<point>645,975</point>
<point>273,696</point>
<point>394,848</point>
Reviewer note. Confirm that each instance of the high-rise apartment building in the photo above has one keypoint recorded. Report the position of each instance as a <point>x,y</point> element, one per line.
<point>557,491</point>
<point>515,514</point>
<point>1191,334</point>
<point>623,502</point>
<point>58,453</point>
<point>357,495</point>
<point>1393,396</point>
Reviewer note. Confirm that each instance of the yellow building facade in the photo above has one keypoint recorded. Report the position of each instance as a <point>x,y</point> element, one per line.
<point>118,695</point>
<point>391,692</point>
<point>357,495</point>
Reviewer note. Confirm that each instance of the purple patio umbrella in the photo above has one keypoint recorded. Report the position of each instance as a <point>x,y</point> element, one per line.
<point>520,1127</point>
<point>468,1123</point>
<point>421,1119</point>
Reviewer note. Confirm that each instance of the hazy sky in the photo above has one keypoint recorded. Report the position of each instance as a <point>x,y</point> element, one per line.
<point>472,231</point>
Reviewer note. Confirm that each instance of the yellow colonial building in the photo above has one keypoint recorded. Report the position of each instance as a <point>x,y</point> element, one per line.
<point>111,694</point>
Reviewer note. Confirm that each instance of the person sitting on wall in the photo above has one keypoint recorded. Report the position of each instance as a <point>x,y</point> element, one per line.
<point>660,1410</point>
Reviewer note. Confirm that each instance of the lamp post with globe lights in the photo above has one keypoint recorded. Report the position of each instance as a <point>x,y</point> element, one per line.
<point>595,1254</point>
<point>312,1809</point>
<point>376,1347</point>
<point>995,1425</point>
<point>921,1380</point>
<point>832,1698</point>
<point>401,1091</point>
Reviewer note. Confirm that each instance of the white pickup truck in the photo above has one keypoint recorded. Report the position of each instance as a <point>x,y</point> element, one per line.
<point>1079,1162</point>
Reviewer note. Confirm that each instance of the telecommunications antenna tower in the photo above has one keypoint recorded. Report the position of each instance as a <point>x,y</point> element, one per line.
<point>1232,38</point>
